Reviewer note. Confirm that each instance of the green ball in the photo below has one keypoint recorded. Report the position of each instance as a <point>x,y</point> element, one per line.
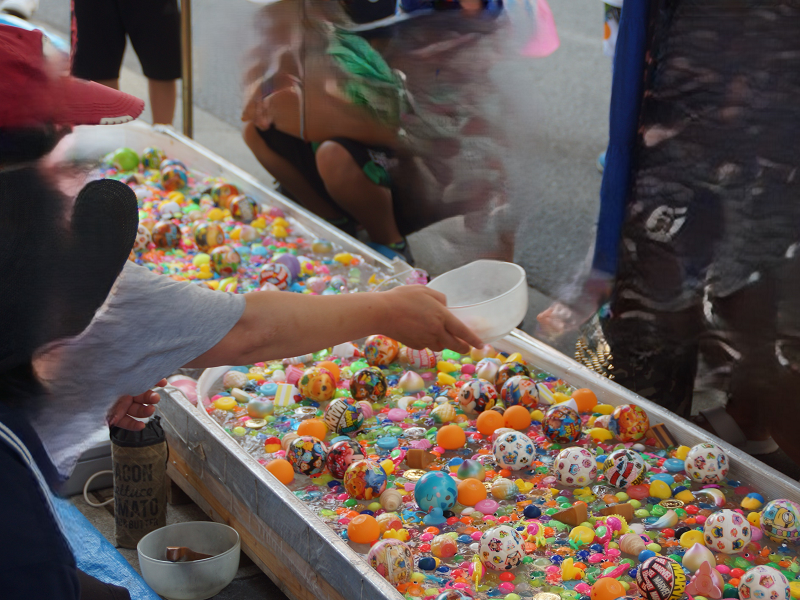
<point>124,159</point>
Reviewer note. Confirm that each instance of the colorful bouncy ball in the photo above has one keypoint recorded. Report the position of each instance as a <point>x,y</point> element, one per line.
<point>380,350</point>
<point>629,423</point>
<point>152,158</point>
<point>166,234</point>
<point>317,383</point>
<point>477,395</point>
<point>764,583</point>
<point>727,531</point>
<point>225,260</point>
<point>435,490</point>
<point>661,578</point>
<point>365,480</point>
<point>343,417</point>
<point>173,177</point>
<point>514,450</point>
<point>275,273</point>
<point>624,468</point>
<point>368,384</point>
<point>562,424</point>
<point>575,467</point>
<point>780,520</point>
<point>222,193</point>
<point>500,548</point>
<point>208,236</point>
<point>707,463</point>
<point>509,370</point>
<point>243,208</point>
<point>520,390</point>
<point>341,455</point>
<point>307,455</point>
<point>393,560</point>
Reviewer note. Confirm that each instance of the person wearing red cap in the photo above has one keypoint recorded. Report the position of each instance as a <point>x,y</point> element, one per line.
<point>99,31</point>
<point>86,333</point>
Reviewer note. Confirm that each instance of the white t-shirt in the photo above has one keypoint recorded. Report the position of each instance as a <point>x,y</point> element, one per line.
<point>149,326</point>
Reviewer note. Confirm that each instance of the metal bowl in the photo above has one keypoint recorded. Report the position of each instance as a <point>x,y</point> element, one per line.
<point>195,580</point>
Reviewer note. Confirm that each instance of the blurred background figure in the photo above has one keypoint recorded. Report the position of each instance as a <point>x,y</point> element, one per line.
<point>381,116</point>
<point>99,30</point>
<point>699,219</point>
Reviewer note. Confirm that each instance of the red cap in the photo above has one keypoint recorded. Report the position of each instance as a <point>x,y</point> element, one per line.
<point>31,93</point>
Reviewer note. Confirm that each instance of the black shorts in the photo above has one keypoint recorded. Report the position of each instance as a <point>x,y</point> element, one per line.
<point>99,28</point>
<point>374,162</point>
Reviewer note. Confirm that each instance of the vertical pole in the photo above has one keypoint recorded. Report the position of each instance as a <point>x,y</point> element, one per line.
<point>186,67</point>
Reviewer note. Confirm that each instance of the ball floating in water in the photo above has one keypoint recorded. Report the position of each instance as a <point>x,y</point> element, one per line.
<point>152,158</point>
<point>368,384</point>
<point>393,560</point>
<point>380,350</point>
<point>208,236</point>
<point>471,491</point>
<point>222,193</point>
<point>517,417</point>
<point>562,424</point>
<point>780,520</point>
<point>317,383</point>
<point>225,260</point>
<point>307,455</point>
<point>282,469</point>
<point>143,238</point>
<point>764,583</point>
<point>365,480</point>
<point>313,427</point>
<point>363,529</point>
<point>435,489</point>
<point>661,578</point>
<point>451,437</point>
<point>520,390</point>
<point>343,417</point>
<point>488,421</point>
<point>607,588</point>
<point>275,273</point>
<point>727,531</point>
<point>477,395</point>
<point>471,469</point>
<point>629,423</point>
<point>124,159</point>
<point>508,370</point>
<point>173,177</point>
<point>514,450</point>
<point>341,455</point>
<point>575,467</point>
<point>166,234</point>
<point>624,468</point>
<point>707,463</point>
<point>585,399</point>
<point>243,208</point>
<point>500,548</point>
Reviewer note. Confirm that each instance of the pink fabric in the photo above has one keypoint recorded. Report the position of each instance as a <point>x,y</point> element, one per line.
<point>545,41</point>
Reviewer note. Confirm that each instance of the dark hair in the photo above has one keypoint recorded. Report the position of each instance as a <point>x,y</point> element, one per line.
<point>25,144</point>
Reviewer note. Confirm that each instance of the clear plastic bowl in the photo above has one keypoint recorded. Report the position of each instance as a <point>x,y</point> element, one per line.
<point>489,296</point>
<point>194,580</point>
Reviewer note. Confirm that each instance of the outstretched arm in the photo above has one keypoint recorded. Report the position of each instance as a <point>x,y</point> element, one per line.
<point>275,325</point>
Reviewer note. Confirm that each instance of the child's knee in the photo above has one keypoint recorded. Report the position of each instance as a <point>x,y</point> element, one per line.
<point>336,167</point>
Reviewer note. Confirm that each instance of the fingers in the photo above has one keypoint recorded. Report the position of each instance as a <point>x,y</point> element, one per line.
<point>456,327</point>
<point>131,424</point>
<point>437,295</point>
<point>140,411</point>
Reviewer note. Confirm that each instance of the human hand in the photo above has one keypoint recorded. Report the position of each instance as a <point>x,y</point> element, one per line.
<point>418,318</point>
<point>127,407</point>
<point>561,317</point>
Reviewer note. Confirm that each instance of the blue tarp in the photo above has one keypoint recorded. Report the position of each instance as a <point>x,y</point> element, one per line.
<point>626,99</point>
<point>95,555</point>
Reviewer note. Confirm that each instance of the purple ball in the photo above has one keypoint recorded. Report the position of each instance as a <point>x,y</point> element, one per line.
<point>290,262</point>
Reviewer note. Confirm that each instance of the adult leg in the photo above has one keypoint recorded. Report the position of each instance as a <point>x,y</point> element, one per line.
<point>112,83</point>
<point>288,175</point>
<point>98,41</point>
<point>368,202</point>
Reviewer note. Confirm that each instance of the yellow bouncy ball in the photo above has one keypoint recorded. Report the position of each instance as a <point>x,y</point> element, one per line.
<point>600,434</point>
<point>215,214</point>
<point>279,232</point>
<point>659,489</point>
<point>690,538</point>
<point>681,452</point>
<point>685,496</point>
<point>201,259</point>
<point>603,409</point>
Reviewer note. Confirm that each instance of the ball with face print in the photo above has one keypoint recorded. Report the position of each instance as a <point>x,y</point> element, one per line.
<point>727,531</point>
<point>764,583</point>
<point>707,463</point>
<point>575,467</point>
<point>500,548</point>
<point>514,450</point>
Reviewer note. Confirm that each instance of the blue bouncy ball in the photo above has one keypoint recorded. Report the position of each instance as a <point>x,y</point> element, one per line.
<point>435,490</point>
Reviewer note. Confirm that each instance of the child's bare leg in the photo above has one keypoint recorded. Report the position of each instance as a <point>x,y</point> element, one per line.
<point>288,176</point>
<point>369,203</point>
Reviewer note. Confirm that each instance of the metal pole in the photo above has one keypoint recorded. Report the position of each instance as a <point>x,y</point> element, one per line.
<point>186,67</point>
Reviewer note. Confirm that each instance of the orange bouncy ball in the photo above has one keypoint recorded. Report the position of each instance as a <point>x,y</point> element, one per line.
<point>489,421</point>
<point>451,437</point>
<point>607,588</point>
<point>585,399</point>
<point>314,428</point>
<point>332,367</point>
<point>282,469</point>
<point>517,417</point>
<point>363,529</point>
<point>470,492</point>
